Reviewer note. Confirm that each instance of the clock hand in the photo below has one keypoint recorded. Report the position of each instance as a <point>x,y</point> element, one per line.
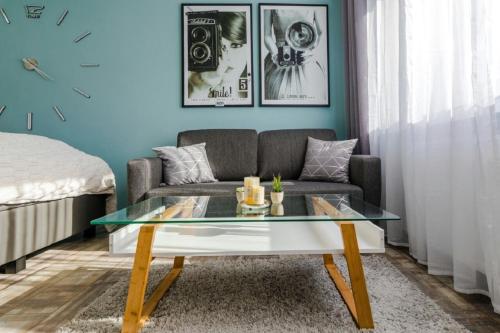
<point>29,64</point>
<point>40,72</point>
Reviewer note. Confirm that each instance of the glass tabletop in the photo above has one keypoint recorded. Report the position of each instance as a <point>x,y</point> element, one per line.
<point>210,209</point>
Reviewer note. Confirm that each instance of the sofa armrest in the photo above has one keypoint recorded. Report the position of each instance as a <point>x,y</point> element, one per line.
<point>143,174</point>
<point>365,171</point>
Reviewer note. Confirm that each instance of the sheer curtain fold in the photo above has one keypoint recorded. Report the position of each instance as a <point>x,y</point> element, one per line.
<point>432,81</point>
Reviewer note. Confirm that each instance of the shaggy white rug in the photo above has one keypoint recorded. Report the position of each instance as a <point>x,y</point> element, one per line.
<point>287,294</point>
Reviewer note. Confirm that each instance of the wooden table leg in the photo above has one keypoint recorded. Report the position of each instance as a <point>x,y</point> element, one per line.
<point>355,297</point>
<point>137,311</point>
<point>138,279</point>
<point>356,275</point>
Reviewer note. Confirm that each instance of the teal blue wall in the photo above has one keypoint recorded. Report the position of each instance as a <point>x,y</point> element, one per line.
<point>136,98</point>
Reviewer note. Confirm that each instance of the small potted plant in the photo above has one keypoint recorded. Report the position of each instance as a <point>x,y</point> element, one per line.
<point>277,193</point>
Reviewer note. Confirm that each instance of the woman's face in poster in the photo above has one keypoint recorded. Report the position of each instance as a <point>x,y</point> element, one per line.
<point>231,63</point>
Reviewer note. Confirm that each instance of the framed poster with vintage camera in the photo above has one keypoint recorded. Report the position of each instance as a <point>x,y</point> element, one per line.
<point>217,55</point>
<point>294,69</point>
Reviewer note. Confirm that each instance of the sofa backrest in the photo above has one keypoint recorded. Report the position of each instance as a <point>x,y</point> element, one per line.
<point>283,151</point>
<point>232,153</point>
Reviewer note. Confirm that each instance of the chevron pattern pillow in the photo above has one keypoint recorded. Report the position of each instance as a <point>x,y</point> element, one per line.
<point>328,160</point>
<point>185,165</point>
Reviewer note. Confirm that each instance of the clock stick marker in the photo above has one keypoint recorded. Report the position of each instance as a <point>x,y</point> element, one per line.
<point>89,65</point>
<point>82,36</point>
<point>4,16</point>
<point>84,94</point>
<point>29,120</point>
<point>59,113</point>
<point>63,16</point>
<point>2,109</point>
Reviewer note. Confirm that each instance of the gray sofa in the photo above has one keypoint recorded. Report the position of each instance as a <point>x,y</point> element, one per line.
<point>236,153</point>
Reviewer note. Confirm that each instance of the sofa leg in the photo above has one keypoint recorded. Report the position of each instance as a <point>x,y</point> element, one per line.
<point>14,267</point>
<point>90,232</point>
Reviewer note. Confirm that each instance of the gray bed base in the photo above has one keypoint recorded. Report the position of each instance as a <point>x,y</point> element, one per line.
<point>26,229</point>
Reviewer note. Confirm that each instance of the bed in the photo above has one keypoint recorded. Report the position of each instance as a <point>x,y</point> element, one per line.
<point>49,191</point>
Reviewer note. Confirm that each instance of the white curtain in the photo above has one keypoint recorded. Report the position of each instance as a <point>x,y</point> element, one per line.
<point>432,76</point>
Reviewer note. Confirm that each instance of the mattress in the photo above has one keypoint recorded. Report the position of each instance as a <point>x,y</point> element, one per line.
<point>39,169</point>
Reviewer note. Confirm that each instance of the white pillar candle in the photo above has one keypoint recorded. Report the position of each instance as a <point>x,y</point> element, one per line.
<point>251,181</point>
<point>256,195</point>
<point>249,184</point>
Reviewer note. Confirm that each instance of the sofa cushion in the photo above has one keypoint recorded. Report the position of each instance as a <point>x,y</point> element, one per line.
<point>232,153</point>
<point>229,187</point>
<point>307,187</point>
<point>219,188</point>
<point>328,161</point>
<point>284,151</point>
<point>185,165</point>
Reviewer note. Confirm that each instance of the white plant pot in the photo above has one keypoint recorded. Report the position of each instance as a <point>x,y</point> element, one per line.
<point>240,194</point>
<point>277,197</point>
<point>277,210</point>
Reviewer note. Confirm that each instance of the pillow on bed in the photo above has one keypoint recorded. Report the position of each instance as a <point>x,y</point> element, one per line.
<point>185,165</point>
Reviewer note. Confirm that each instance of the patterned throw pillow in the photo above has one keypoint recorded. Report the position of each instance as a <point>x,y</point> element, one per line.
<point>185,165</point>
<point>328,160</point>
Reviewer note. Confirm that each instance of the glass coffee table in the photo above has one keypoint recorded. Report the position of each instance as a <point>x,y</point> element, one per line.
<point>218,226</point>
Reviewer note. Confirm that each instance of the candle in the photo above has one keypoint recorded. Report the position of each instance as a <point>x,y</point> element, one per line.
<point>255,195</point>
<point>248,194</point>
<point>249,184</point>
<point>251,181</point>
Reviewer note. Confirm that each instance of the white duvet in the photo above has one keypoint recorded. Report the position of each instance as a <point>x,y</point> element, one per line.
<point>35,168</point>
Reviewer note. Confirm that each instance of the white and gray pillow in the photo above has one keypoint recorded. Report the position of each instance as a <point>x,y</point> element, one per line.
<point>185,165</point>
<point>327,160</point>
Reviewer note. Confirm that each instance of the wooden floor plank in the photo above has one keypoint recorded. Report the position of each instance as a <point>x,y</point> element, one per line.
<point>473,311</point>
<point>73,274</point>
<point>79,300</point>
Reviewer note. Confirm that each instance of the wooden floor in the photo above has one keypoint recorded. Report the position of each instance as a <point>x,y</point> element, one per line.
<point>62,280</point>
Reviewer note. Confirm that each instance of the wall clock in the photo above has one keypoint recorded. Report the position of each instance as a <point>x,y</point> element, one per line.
<point>32,64</point>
